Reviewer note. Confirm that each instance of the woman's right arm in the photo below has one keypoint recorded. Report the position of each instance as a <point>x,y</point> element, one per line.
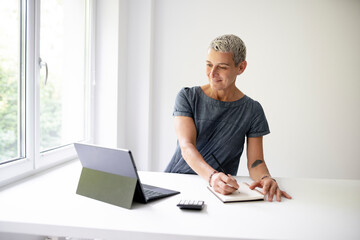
<point>186,134</point>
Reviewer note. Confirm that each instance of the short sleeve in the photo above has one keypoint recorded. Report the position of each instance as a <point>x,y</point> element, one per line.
<point>259,125</point>
<point>183,104</point>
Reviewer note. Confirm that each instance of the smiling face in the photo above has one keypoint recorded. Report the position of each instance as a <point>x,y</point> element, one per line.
<point>221,70</point>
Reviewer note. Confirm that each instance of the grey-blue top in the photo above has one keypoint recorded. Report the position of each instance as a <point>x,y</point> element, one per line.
<point>221,128</point>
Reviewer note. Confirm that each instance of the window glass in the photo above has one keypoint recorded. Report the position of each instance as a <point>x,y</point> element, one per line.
<point>10,79</point>
<point>62,56</point>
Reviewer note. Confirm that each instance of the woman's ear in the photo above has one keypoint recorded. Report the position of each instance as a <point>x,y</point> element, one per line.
<point>242,67</point>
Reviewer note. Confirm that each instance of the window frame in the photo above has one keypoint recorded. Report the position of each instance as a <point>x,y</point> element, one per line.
<point>29,99</point>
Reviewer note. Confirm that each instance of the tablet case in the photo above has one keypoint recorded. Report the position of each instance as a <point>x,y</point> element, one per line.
<point>107,187</point>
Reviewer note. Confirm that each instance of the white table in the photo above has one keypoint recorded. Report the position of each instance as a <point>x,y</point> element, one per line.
<point>46,204</point>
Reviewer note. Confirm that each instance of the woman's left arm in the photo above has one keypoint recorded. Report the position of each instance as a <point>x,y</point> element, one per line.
<point>259,172</point>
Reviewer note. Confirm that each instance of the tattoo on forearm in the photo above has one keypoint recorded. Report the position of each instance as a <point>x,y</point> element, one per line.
<point>257,163</point>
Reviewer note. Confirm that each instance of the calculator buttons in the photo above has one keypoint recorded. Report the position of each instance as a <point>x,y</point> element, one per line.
<point>191,204</point>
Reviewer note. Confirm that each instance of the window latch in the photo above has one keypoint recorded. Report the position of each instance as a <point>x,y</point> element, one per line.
<point>44,64</point>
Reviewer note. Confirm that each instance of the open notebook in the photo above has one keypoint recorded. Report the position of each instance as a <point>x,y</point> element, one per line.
<point>244,193</point>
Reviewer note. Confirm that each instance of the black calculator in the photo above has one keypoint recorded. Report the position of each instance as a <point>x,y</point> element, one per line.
<point>191,204</point>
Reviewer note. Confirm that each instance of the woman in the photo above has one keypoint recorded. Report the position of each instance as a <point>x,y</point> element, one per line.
<point>213,121</point>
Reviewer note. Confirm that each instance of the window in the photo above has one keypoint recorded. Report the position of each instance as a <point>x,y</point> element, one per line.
<point>45,90</point>
<point>62,93</point>
<point>11,126</point>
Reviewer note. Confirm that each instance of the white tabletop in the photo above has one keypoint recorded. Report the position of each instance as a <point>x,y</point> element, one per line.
<point>46,204</point>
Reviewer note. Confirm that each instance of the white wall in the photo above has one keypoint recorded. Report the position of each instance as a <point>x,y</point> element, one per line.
<point>107,78</point>
<point>123,77</point>
<point>303,59</point>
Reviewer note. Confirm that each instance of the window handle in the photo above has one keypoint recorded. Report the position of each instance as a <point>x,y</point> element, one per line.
<point>42,64</point>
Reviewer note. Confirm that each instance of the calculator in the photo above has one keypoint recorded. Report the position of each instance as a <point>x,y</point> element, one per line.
<point>191,204</point>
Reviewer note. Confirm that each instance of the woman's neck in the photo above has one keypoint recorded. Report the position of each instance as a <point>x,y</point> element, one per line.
<point>226,95</point>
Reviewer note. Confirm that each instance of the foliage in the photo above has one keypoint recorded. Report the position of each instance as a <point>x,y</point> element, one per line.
<point>50,117</point>
<point>50,120</point>
<point>8,114</point>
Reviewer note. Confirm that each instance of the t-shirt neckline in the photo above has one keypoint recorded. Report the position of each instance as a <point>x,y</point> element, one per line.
<point>221,103</point>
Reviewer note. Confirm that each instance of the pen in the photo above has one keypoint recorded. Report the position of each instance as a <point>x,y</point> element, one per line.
<point>222,169</point>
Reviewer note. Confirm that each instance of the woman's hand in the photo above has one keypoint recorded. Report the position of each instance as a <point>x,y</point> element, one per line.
<point>224,184</point>
<point>270,188</point>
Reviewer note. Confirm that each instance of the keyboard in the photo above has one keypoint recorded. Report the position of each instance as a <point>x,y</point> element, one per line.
<point>151,194</point>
